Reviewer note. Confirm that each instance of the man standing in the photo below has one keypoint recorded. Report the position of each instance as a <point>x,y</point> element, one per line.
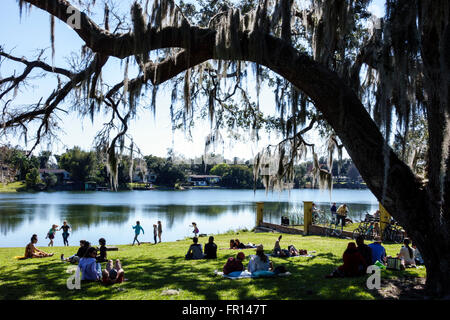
<point>333,210</point>
<point>342,214</point>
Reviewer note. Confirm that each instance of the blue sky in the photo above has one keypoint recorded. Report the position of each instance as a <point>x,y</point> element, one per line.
<point>22,36</point>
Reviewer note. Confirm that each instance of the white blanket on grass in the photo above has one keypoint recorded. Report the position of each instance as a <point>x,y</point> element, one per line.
<point>246,274</point>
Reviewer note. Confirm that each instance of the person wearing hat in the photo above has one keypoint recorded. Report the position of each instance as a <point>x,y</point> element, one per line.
<point>260,262</point>
<point>378,251</point>
<point>234,264</point>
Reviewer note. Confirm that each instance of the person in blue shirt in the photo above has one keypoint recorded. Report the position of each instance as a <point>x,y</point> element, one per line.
<point>378,251</point>
<point>137,230</point>
<point>91,270</point>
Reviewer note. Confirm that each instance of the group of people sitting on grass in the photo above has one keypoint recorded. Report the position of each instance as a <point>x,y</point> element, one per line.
<point>195,251</point>
<point>357,257</point>
<point>259,265</point>
<point>88,260</point>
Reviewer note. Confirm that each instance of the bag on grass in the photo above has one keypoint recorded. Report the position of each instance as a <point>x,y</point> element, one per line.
<point>394,263</point>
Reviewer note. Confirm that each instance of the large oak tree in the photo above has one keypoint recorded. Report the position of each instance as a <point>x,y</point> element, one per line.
<point>317,55</point>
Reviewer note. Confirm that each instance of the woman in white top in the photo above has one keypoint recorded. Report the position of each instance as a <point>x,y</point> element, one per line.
<point>406,254</point>
<point>260,262</point>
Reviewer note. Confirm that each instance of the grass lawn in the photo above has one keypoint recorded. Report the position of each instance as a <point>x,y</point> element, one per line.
<point>12,187</point>
<point>151,269</point>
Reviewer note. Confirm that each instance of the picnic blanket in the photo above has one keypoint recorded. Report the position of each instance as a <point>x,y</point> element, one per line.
<point>305,256</point>
<point>246,274</point>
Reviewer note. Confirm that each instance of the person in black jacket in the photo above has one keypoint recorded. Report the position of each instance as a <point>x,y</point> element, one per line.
<point>364,250</point>
<point>84,246</point>
<point>211,249</point>
<point>102,256</point>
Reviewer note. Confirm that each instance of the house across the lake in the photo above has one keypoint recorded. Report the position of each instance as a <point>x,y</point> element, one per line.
<point>204,180</point>
<point>139,177</point>
<point>62,175</point>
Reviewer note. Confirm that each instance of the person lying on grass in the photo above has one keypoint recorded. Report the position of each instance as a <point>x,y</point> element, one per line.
<point>91,270</point>
<point>194,251</point>
<point>112,274</point>
<point>234,266</point>
<point>84,246</point>
<point>354,264</point>
<point>32,252</point>
<point>283,253</point>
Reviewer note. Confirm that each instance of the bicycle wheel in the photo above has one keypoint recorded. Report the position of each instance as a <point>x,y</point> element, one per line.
<point>355,233</point>
<point>398,236</point>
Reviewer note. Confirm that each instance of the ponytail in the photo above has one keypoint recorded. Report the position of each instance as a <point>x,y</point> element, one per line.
<point>406,243</point>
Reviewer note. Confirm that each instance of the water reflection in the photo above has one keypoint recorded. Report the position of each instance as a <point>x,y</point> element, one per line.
<point>82,215</point>
<point>95,214</point>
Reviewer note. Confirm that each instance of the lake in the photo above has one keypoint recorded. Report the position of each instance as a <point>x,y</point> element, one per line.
<point>112,214</point>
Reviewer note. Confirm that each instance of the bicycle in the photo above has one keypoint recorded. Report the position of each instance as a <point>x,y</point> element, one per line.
<point>332,228</point>
<point>366,228</point>
<point>393,232</point>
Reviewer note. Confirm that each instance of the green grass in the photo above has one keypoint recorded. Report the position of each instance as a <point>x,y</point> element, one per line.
<point>12,187</point>
<point>151,269</point>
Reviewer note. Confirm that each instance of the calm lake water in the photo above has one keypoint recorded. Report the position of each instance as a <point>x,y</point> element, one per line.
<point>111,215</point>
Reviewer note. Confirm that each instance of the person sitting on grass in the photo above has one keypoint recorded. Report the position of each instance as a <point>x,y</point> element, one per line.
<point>378,251</point>
<point>260,262</point>
<point>195,251</point>
<point>91,270</point>
<point>103,254</point>
<point>232,244</point>
<point>32,252</point>
<point>364,250</point>
<point>417,255</point>
<point>210,249</point>
<point>406,254</point>
<point>84,246</point>
<point>354,264</point>
<point>111,275</point>
<point>234,266</point>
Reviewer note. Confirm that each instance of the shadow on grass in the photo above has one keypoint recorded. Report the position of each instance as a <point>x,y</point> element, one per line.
<point>149,275</point>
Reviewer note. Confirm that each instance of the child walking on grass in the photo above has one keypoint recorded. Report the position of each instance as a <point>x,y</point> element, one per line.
<point>137,230</point>
<point>51,234</point>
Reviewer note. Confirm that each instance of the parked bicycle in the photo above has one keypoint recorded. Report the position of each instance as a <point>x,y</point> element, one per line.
<point>393,232</point>
<point>367,228</point>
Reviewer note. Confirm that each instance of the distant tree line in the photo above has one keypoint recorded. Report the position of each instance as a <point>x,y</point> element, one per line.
<point>86,166</point>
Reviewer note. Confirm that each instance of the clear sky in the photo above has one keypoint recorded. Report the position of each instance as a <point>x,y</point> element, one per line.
<point>23,36</point>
